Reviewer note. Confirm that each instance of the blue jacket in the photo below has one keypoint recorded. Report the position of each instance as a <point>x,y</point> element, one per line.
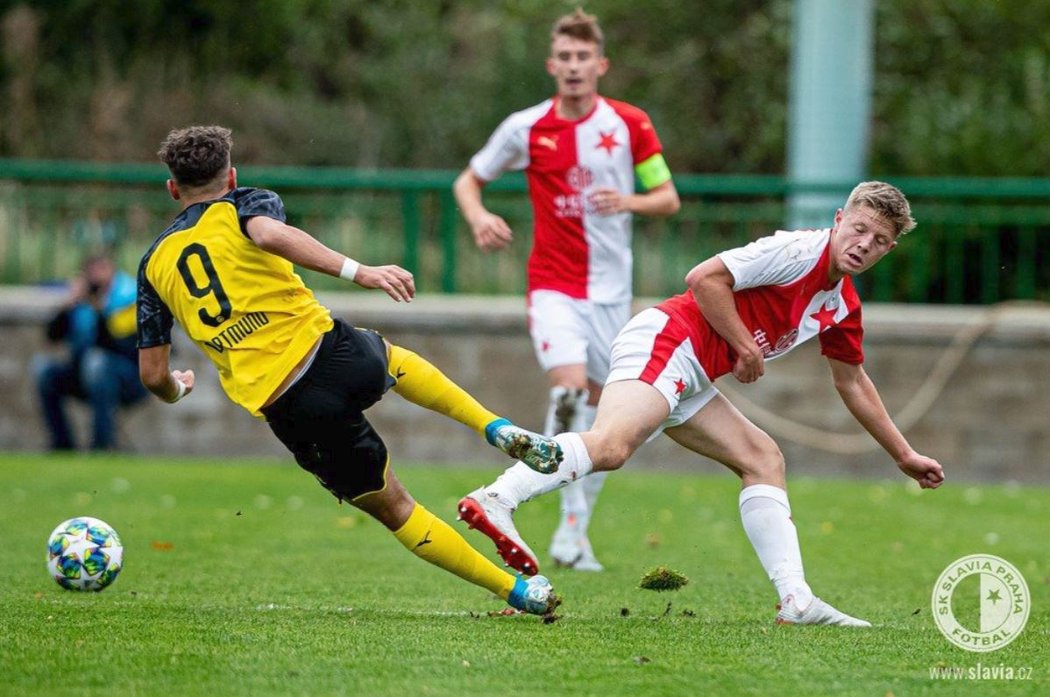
<point>112,327</point>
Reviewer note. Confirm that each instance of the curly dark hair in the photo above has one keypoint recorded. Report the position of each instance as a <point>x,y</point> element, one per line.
<point>197,155</point>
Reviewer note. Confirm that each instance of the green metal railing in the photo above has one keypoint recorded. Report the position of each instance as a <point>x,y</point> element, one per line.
<point>978,240</point>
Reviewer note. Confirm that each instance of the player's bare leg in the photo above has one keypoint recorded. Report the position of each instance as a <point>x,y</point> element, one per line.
<point>721,432</point>
<point>434,541</point>
<point>629,412</point>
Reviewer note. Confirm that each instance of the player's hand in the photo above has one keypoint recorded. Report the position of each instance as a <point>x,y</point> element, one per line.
<point>608,201</point>
<point>749,366</point>
<point>393,280</point>
<point>491,232</point>
<point>186,377</point>
<point>925,470</point>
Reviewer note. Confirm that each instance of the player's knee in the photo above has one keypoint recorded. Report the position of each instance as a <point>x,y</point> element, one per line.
<point>392,506</point>
<point>767,460</point>
<point>610,453</point>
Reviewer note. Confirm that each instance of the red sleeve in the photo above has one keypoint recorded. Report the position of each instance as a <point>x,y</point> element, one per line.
<point>844,342</point>
<point>644,141</point>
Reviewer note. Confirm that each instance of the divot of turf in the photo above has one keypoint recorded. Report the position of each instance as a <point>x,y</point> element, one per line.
<point>663,579</point>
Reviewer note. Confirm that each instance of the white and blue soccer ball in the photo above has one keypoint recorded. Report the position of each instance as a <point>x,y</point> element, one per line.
<point>84,554</point>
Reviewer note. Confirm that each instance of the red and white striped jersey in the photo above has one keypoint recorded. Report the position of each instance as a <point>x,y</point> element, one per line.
<point>784,297</point>
<point>575,251</point>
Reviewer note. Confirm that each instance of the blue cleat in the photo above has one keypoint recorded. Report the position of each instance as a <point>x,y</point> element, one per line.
<point>534,595</point>
<point>540,453</point>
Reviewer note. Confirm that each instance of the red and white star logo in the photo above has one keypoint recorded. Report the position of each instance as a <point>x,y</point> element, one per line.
<point>679,386</point>
<point>608,141</point>
<point>825,316</point>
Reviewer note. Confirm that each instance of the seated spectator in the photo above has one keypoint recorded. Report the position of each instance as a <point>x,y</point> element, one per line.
<point>97,323</point>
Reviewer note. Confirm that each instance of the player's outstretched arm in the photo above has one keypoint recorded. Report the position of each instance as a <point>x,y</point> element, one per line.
<point>169,385</point>
<point>490,231</point>
<point>302,249</point>
<point>862,399</point>
<point>712,286</point>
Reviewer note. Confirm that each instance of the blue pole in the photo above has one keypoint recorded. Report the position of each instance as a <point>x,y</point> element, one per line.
<point>830,105</point>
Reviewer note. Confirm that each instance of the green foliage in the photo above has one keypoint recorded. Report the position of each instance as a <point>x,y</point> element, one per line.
<point>245,577</point>
<point>961,87</point>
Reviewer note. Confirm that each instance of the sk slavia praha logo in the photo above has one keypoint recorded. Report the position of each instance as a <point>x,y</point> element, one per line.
<point>981,602</point>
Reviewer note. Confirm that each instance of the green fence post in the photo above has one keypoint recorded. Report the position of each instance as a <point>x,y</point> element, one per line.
<point>990,267</point>
<point>410,217</point>
<point>671,251</point>
<point>47,243</point>
<point>920,260</point>
<point>448,231</point>
<point>953,265</point>
<point>12,269</point>
<point>1024,276</point>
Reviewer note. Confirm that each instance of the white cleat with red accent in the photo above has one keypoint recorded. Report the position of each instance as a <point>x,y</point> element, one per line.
<point>488,515</point>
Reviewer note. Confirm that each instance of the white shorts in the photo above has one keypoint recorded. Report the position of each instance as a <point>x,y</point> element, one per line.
<point>655,349</point>
<point>570,331</point>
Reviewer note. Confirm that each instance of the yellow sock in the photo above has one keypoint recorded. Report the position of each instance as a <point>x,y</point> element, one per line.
<point>420,382</point>
<point>434,540</point>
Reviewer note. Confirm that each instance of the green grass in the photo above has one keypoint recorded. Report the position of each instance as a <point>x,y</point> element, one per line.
<point>248,578</point>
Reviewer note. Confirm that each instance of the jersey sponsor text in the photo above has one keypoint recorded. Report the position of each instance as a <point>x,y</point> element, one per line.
<point>236,333</point>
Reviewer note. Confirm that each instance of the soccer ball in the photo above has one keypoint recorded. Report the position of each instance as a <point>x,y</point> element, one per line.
<point>84,554</point>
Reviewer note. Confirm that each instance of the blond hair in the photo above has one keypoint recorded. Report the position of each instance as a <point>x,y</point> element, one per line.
<point>887,201</point>
<point>582,26</point>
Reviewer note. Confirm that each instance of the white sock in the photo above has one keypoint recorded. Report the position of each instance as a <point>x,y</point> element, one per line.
<point>576,500</point>
<point>591,484</point>
<point>766,516</point>
<point>519,483</point>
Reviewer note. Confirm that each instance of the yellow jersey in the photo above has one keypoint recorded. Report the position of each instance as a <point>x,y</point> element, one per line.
<point>247,309</point>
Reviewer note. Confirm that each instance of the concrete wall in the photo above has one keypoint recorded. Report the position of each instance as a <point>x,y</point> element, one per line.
<point>988,422</point>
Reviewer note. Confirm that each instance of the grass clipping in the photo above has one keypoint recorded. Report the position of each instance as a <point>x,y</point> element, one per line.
<point>662,579</point>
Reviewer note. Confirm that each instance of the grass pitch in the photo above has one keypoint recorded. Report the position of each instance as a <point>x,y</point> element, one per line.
<point>247,578</point>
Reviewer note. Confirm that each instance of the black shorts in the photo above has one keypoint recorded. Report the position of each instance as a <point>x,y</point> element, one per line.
<point>321,417</point>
